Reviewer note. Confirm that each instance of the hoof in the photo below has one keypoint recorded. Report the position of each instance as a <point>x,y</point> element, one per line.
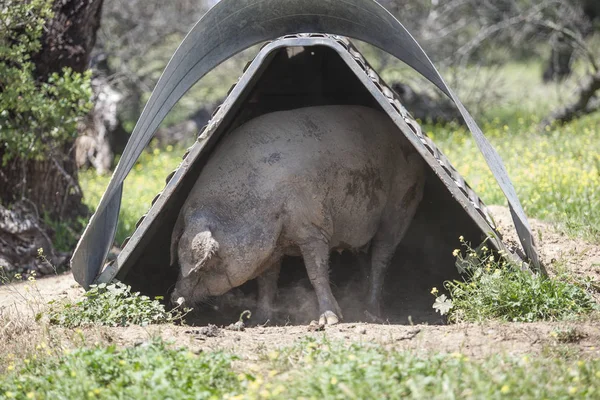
<point>328,318</point>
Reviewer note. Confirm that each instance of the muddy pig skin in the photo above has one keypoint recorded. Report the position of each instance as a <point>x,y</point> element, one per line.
<point>299,182</point>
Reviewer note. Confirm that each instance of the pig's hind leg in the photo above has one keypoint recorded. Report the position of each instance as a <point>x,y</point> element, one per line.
<point>316,259</point>
<point>383,247</point>
<point>267,291</point>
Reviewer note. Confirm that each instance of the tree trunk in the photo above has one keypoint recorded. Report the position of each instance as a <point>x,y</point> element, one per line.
<point>583,103</point>
<point>558,67</point>
<point>33,189</point>
<point>70,36</point>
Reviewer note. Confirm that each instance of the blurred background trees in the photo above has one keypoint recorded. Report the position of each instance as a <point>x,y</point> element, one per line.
<point>44,91</point>
<point>74,77</point>
<point>138,37</point>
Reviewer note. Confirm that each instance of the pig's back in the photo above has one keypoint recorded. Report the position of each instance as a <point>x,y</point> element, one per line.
<point>344,152</point>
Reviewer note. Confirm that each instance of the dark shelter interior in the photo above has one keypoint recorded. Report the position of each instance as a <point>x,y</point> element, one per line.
<point>292,78</point>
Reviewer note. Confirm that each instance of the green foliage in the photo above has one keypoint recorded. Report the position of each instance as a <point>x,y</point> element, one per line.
<point>311,369</point>
<point>495,289</point>
<point>36,116</point>
<point>151,371</point>
<point>337,370</point>
<point>112,305</point>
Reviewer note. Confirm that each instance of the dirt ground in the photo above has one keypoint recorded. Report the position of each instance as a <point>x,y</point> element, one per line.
<point>20,302</point>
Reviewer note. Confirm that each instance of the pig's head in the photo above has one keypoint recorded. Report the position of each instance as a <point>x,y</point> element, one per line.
<point>201,272</point>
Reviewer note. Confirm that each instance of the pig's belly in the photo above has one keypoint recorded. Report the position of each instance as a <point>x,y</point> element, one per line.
<point>353,232</point>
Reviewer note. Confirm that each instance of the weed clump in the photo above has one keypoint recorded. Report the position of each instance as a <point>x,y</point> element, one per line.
<point>112,305</point>
<point>496,289</point>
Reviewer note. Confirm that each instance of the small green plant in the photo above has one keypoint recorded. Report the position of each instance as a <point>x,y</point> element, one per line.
<point>151,371</point>
<point>494,288</point>
<point>113,305</point>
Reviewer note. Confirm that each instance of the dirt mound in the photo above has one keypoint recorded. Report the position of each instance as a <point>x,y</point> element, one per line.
<point>557,251</point>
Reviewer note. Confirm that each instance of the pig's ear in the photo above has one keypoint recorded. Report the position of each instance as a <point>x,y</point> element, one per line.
<point>204,247</point>
<point>175,237</point>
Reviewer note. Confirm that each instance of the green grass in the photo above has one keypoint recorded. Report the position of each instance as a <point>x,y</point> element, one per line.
<point>312,369</point>
<point>320,369</point>
<point>151,371</point>
<point>556,172</point>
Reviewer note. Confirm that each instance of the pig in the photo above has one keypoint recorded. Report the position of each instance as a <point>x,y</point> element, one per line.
<point>303,182</point>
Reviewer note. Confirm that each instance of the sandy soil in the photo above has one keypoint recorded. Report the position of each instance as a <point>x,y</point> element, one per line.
<point>473,340</point>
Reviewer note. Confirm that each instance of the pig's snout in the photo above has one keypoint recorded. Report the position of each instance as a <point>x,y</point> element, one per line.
<point>177,300</point>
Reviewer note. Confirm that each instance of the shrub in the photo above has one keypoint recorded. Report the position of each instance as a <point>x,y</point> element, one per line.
<point>112,305</point>
<point>36,115</point>
<point>497,289</point>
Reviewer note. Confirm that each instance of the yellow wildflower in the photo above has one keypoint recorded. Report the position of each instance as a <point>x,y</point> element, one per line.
<point>572,390</point>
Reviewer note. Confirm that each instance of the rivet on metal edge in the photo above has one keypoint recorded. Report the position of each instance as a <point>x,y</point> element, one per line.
<point>170,176</point>
<point>155,199</point>
<point>140,221</point>
<point>230,90</point>
<point>125,242</point>
<point>202,132</point>
<point>387,92</point>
